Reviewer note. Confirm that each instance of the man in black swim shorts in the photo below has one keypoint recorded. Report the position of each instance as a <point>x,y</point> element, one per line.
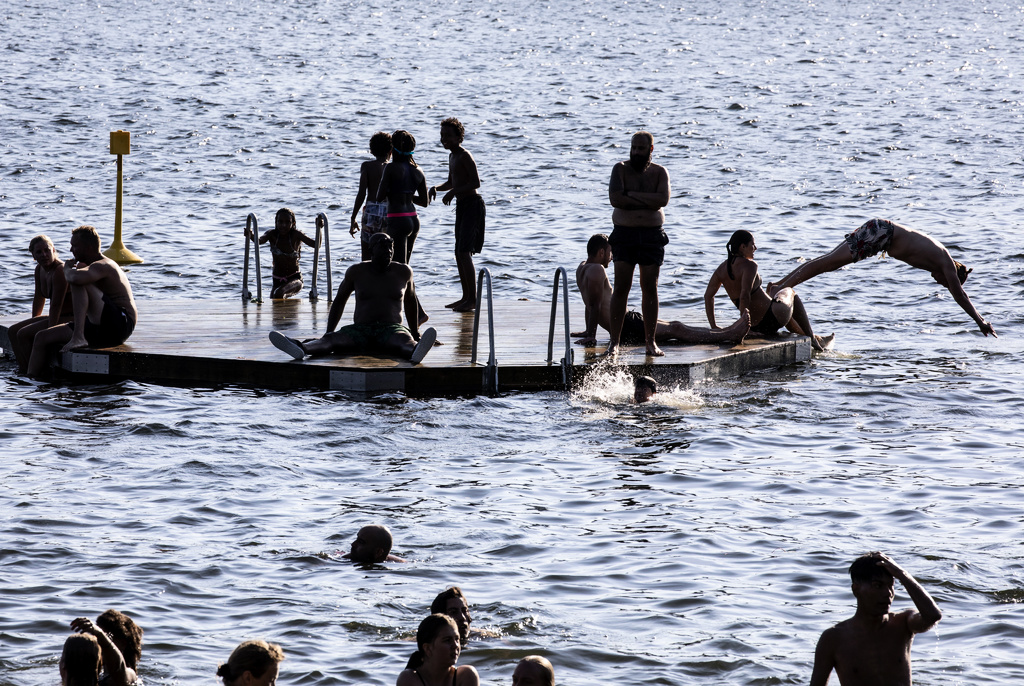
<point>638,190</point>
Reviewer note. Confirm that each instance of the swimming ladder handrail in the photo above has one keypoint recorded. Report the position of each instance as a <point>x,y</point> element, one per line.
<point>567,360</point>
<point>492,362</point>
<point>321,223</point>
<point>252,228</point>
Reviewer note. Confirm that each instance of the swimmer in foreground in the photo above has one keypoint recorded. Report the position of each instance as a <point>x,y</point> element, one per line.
<point>127,636</point>
<point>453,603</point>
<point>116,671</point>
<point>872,648</point>
<point>80,661</point>
<point>742,282</point>
<point>286,243</point>
<point>51,285</point>
<point>372,545</point>
<point>644,388</point>
<point>433,663</point>
<point>596,290</point>
<point>533,670</point>
<point>375,214</point>
<point>252,663</point>
<point>381,286</point>
<point>913,247</point>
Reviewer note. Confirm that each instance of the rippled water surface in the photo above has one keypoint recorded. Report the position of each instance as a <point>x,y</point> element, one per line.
<point>703,539</point>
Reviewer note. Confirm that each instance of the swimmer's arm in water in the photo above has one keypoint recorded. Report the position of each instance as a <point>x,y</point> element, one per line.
<point>117,671</point>
<point>338,306</point>
<point>714,284</point>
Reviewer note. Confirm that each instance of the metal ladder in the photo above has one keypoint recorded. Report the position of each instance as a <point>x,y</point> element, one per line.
<point>567,360</point>
<point>252,228</point>
<point>321,226</point>
<point>491,370</point>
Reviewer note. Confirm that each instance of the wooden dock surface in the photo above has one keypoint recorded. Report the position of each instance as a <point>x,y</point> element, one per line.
<point>214,342</point>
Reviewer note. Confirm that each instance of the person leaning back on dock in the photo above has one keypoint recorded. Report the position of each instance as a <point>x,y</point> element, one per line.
<point>285,245</point>
<point>381,286</point>
<point>104,308</point>
<point>375,214</point>
<point>51,285</point>
<point>639,190</point>
<point>872,648</point>
<point>470,211</point>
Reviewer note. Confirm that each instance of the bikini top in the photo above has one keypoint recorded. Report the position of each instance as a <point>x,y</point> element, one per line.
<point>277,252</point>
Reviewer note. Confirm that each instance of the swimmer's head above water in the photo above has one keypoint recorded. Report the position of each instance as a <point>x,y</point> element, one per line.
<point>533,670</point>
<point>453,603</point>
<point>644,388</point>
<point>257,659</point>
<point>372,544</point>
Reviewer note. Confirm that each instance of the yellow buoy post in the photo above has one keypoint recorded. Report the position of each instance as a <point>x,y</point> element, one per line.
<point>120,144</point>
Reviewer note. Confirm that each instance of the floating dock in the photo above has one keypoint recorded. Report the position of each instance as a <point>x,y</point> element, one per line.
<point>224,342</point>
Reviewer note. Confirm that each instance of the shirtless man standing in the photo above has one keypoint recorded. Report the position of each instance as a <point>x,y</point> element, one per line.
<point>381,286</point>
<point>913,247</point>
<point>597,293</point>
<point>470,211</point>
<point>104,308</point>
<point>639,191</point>
<point>872,648</point>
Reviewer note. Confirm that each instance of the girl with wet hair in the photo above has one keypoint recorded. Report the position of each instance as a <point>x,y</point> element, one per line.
<point>252,663</point>
<point>80,661</point>
<point>433,663</point>
<point>285,244</point>
<point>742,282</point>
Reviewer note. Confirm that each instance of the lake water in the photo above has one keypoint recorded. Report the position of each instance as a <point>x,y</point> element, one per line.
<point>700,540</point>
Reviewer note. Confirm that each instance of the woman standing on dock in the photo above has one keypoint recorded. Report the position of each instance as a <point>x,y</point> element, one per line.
<point>285,245</point>
<point>742,282</point>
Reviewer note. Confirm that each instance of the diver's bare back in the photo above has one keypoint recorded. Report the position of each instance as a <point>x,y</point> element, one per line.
<point>114,284</point>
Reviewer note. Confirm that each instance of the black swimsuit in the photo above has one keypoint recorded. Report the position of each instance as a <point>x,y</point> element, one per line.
<point>454,677</point>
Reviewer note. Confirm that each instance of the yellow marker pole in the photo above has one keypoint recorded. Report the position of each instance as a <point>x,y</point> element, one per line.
<point>120,144</point>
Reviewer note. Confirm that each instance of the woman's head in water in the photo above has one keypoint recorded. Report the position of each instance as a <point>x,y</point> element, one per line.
<point>258,658</point>
<point>80,661</point>
<point>437,641</point>
<point>284,221</point>
<point>380,145</point>
<point>403,145</point>
<point>732,248</point>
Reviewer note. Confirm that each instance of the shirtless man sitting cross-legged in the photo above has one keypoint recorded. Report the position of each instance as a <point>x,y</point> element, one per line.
<point>596,290</point>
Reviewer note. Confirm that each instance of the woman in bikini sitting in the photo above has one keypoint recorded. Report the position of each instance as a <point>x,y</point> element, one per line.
<point>285,243</point>
<point>370,173</point>
<point>742,282</point>
<point>433,663</point>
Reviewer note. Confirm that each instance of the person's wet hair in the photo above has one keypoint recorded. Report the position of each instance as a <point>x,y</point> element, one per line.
<point>546,669</point>
<point>961,272</point>
<point>37,239</point>
<point>457,125</point>
<point>645,134</point>
<point>285,213</point>
<point>866,568</point>
<point>255,657</point>
<point>440,604</point>
<point>596,243</point>
<point>126,634</point>
<point>81,660</point>
<point>380,145</point>
<point>403,145</point>
<point>732,248</point>
<point>89,234</point>
<point>645,382</point>
<point>428,630</point>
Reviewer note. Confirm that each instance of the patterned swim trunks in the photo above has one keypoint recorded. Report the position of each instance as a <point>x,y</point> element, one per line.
<point>873,237</point>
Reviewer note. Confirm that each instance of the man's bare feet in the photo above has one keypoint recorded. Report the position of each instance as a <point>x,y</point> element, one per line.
<point>654,351</point>
<point>454,304</point>
<point>76,343</point>
<point>464,306</point>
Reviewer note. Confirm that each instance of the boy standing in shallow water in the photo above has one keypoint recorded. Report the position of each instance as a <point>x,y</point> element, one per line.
<point>462,184</point>
<point>872,648</point>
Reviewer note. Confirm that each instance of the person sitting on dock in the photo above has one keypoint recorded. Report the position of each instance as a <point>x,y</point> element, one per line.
<point>913,247</point>
<point>372,545</point>
<point>873,646</point>
<point>596,290</point>
<point>51,285</point>
<point>380,286</point>
<point>285,245</point>
<point>104,308</point>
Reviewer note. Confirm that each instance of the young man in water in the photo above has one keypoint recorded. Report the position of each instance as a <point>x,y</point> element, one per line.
<point>872,648</point>
<point>639,190</point>
<point>372,545</point>
<point>470,212</point>
<point>533,670</point>
<point>104,308</point>
<point>596,291</point>
<point>380,286</point>
<point>644,388</point>
<point>913,247</point>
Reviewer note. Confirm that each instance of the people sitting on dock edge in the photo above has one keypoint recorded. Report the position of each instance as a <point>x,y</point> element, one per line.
<point>51,285</point>
<point>873,646</point>
<point>463,185</point>
<point>437,653</point>
<point>639,190</point>
<point>375,214</point>
<point>115,671</point>
<point>252,663</point>
<point>285,245</point>
<point>596,291</point>
<point>913,247</point>
<point>381,286</point>
<point>742,282</point>
<point>533,670</point>
<point>644,388</point>
<point>372,545</point>
<point>104,308</point>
